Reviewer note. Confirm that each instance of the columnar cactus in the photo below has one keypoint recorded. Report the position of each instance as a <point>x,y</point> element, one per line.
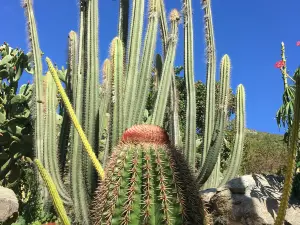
<point>147,182</point>
<point>111,108</point>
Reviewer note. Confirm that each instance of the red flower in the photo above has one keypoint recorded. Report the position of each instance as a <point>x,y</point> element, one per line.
<point>279,64</point>
<point>298,43</point>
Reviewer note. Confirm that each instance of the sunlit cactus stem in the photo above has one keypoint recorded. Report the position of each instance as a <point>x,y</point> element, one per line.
<point>219,125</point>
<point>133,55</point>
<point>117,59</point>
<point>210,78</point>
<point>165,84</point>
<point>237,152</point>
<point>190,129</point>
<point>146,63</point>
<point>37,103</point>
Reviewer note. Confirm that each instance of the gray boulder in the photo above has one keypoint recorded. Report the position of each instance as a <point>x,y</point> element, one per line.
<point>249,200</point>
<point>9,204</point>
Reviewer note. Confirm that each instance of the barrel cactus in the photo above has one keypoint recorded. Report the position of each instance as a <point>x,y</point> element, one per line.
<point>147,182</point>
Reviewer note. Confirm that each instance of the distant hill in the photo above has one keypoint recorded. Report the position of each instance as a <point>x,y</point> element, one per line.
<point>263,153</point>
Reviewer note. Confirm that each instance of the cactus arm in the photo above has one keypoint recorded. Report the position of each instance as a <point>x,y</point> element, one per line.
<point>57,202</point>
<point>106,95</point>
<point>72,115</point>
<point>147,59</point>
<point>221,120</point>
<point>133,61</point>
<point>175,116</point>
<point>78,190</point>
<point>164,87</point>
<point>117,59</point>
<point>123,22</point>
<point>237,152</point>
<point>65,132</point>
<point>37,108</point>
<point>174,129</point>
<point>91,75</point>
<point>190,129</point>
<point>51,150</point>
<point>289,176</point>
<point>210,78</point>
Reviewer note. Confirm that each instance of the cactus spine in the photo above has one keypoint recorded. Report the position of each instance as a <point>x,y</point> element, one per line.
<point>147,182</point>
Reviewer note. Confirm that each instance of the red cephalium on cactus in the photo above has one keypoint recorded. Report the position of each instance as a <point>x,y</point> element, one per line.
<point>147,182</point>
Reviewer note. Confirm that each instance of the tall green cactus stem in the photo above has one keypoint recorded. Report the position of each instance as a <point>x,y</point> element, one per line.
<point>123,22</point>
<point>71,81</point>
<point>165,84</point>
<point>37,108</point>
<point>173,112</point>
<point>91,77</point>
<point>190,129</point>
<point>117,59</point>
<point>51,150</point>
<point>220,125</point>
<point>70,110</point>
<point>78,190</point>
<point>134,47</point>
<point>147,182</point>
<point>106,98</point>
<point>175,127</point>
<point>83,215</point>
<point>210,78</point>
<point>57,202</point>
<point>291,163</point>
<point>237,152</point>
<point>146,64</point>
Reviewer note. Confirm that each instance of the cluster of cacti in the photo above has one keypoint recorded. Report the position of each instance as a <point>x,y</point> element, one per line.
<point>106,110</point>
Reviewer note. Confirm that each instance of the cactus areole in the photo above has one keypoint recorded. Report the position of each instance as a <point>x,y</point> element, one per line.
<point>147,182</point>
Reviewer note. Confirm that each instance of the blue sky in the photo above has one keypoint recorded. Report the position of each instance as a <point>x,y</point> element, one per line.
<point>249,31</point>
